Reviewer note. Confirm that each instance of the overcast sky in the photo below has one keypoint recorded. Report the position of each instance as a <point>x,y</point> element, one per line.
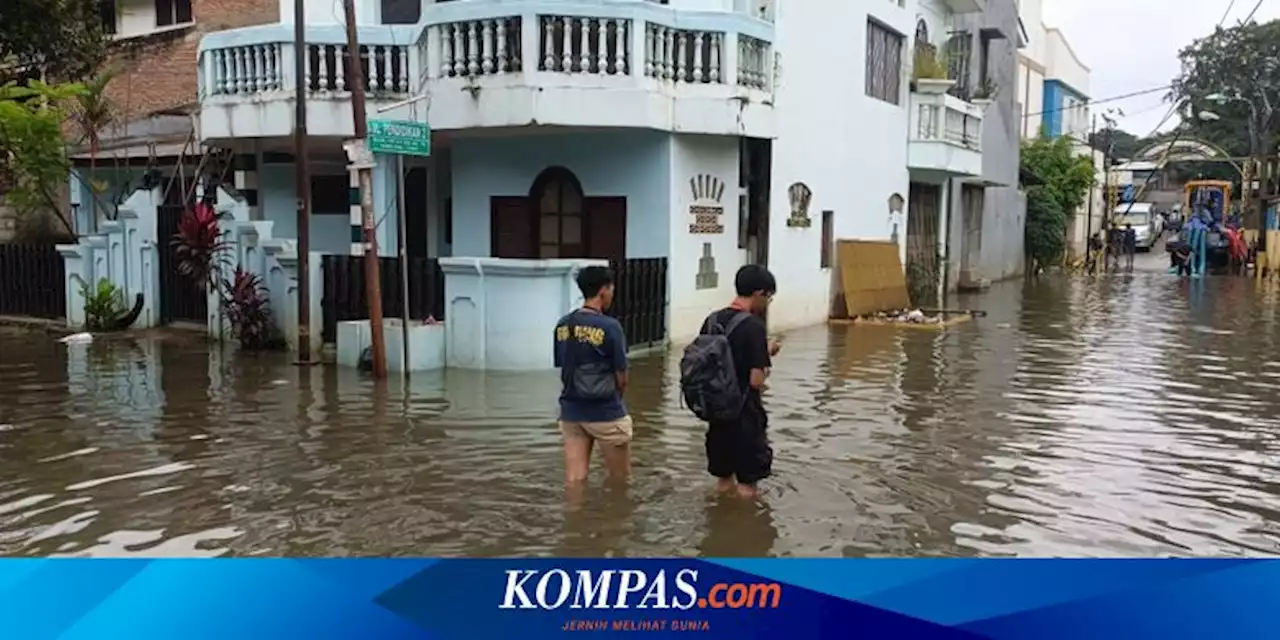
<point>1132,45</point>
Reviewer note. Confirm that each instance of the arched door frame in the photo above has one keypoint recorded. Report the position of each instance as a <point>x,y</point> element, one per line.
<point>554,226</point>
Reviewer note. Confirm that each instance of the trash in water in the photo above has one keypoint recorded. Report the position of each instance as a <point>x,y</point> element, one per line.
<point>906,316</point>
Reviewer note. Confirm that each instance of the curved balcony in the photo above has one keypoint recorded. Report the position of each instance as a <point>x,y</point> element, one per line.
<point>493,63</point>
<point>945,135</point>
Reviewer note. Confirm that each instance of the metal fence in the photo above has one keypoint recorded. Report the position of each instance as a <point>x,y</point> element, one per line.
<point>32,281</point>
<point>640,301</point>
<point>345,298</point>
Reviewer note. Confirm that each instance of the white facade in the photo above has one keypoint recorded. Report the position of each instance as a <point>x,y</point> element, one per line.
<point>1044,64</point>
<point>656,113</point>
<point>848,148</point>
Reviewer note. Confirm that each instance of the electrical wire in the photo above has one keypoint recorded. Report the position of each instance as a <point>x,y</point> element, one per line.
<point>1106,100</point>
<point>1251,13</point>
<point>1168,150</point>
<point>1227,12</point>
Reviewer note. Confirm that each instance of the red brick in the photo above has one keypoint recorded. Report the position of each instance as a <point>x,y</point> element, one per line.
<point>159,72</point>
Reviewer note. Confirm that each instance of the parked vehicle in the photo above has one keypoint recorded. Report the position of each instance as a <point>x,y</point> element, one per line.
<point>1141,215</point>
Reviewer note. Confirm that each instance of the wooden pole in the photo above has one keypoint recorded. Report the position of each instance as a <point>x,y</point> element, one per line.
<point>373,287</point>
<point>302,180</point>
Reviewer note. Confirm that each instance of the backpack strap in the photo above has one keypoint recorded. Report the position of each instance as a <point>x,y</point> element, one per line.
<point>735,322</point>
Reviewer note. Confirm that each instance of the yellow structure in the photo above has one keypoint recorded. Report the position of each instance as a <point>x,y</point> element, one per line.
<point>871,277</point>
<point>1190,188</point>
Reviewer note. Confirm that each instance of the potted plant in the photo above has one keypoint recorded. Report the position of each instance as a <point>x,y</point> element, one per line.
<point>929,71</point>
<point>985,93</point>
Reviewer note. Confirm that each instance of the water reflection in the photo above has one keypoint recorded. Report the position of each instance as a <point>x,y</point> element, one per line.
<point>1130,415</point>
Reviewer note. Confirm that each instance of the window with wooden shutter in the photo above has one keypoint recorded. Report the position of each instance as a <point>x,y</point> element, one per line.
<point>884,63</point>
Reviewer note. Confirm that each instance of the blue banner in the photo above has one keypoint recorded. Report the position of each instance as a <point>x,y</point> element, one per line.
<point>740,599</point>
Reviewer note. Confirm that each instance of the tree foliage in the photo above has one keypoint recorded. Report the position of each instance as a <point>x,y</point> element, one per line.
<point>1057,181</point>
<point>62,39</point>
<point>33,155</point>
<point>1241,64</point>
<point>1116,143</point>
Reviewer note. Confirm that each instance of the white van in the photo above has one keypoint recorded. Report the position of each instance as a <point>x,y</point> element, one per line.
<point>1142,216</point>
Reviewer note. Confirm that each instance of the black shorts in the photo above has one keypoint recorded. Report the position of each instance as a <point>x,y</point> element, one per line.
<point>740,449</point>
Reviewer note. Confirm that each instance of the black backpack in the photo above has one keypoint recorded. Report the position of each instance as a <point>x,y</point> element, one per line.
<point>708,379</point>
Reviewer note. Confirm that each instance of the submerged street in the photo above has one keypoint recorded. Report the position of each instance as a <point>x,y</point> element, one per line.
<point>1133,415</point>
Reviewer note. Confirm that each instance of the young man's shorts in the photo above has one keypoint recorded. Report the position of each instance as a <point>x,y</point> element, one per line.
<point>614,432</point>
<point>740,449</point>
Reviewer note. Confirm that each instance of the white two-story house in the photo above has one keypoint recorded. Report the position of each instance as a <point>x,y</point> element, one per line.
<point>698,135</point>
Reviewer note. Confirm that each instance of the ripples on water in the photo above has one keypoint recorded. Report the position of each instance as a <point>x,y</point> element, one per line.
<point>1122,416</point>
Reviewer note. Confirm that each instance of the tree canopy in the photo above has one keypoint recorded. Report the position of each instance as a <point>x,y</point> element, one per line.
<point>1057,181</point>
<point>1235,73</point>
<point>32,153</point>
<point>62,39</point>
<point>1116,143</point>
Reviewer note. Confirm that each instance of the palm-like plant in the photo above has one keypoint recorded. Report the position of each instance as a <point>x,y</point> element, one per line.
<point>93,113</point>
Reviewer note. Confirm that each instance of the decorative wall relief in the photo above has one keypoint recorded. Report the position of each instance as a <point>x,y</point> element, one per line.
<point>707,277</point>
<point>800,195</point>
<point>895,215</point>
<point>706,210</point>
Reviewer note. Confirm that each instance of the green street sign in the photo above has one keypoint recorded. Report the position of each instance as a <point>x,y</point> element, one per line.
<point>403,137</point>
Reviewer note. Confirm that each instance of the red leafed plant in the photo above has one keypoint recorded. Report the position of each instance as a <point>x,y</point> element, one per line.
<point>247,309</point>
<point>199,244</point>
<point>203,255</point>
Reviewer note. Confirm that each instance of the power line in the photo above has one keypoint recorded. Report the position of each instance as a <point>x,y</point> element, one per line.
<point>1104,100</point>
<point>1164,158</point>
<point>1250,16</point>
<point>1227,12</point>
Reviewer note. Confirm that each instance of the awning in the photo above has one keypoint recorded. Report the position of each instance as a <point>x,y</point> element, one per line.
<point>169,132</point>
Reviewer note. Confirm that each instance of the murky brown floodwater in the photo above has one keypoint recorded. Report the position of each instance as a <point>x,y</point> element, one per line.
<point>1130,415</point>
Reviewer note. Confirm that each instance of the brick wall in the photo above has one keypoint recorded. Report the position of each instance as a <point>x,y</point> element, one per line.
<point>159,71</point>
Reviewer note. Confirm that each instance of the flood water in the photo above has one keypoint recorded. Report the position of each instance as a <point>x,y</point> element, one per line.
<point>1125,415</point>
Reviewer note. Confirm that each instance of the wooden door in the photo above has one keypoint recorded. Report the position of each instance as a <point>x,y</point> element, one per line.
<point>416,235</point>
<point>922,244</point>
<point>606,228</point>
<point>511,230</point>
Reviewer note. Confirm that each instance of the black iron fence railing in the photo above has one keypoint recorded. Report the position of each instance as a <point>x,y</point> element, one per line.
<point>32,281</point>
<point>640,301</point>
<point>345,298</point>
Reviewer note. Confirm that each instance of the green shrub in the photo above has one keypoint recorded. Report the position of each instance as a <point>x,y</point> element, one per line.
<point>103,304</point>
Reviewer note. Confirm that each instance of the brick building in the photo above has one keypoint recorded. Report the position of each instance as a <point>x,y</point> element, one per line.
<point>153,92</point>
<point>159,38</point>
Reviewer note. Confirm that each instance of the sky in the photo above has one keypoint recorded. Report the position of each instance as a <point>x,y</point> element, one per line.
<point>1132,45</point>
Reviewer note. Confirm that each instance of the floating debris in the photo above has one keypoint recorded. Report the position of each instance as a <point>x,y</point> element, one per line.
<point>905,316</point>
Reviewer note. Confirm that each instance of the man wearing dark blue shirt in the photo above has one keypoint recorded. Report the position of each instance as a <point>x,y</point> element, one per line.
<point>591,353</point>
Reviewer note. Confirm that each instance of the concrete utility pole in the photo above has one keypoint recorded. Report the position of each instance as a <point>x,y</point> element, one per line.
<point>362,163</point>
<point>1088,221</point>
<point>302,184</point>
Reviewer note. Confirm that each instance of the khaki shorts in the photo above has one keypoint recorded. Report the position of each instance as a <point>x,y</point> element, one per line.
<point>613,432</point>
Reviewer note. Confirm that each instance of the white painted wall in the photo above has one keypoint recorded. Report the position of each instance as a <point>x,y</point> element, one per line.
<point>716,156</point>
<point>1063,64</point>
<point>850,149</point>
<point>1032,14</point>
<point>136,18</point>
<point>1030,96</point>
<point>1031,67</point>
<point>938,18</point>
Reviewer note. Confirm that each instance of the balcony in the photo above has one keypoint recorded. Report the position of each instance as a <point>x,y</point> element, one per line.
<point>494,63</point>
<point>945,135</point>
<point>967,6</point>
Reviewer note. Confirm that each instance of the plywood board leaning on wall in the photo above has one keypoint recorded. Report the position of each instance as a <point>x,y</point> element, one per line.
<point>871,276</point>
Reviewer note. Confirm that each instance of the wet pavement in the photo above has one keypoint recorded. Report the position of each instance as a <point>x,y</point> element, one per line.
<point>1131,414</point>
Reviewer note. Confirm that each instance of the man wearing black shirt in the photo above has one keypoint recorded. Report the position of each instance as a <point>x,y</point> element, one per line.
<point>739,449</point>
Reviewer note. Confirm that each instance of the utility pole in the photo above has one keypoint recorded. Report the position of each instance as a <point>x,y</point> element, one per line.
<point>1088,221</point>
<point>302,184</point>
<point>373,288</point>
